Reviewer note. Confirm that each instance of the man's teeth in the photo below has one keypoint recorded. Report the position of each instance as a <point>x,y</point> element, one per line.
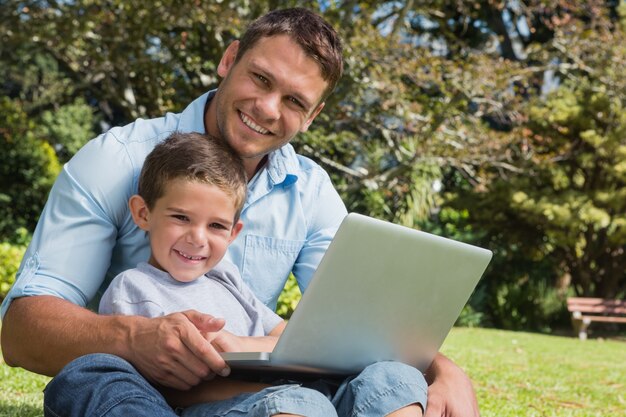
<point>253,125</point>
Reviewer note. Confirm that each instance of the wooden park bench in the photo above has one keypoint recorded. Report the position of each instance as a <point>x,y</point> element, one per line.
<point>585,310</point>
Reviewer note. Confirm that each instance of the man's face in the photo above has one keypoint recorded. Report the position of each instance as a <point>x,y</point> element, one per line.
<point>266,98</point>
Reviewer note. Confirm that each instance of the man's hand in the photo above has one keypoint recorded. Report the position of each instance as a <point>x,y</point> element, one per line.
<point>173,351</point>
<point>450,393</point>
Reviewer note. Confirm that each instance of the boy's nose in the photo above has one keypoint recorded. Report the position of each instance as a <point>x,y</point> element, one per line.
<point>196,236</point>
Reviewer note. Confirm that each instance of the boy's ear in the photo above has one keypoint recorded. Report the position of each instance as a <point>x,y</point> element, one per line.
<point>140,212</point>
<point>235,230</point>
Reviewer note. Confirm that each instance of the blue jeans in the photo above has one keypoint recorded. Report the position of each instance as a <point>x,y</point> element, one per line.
<point>378,390</point>
<point>102,385</point>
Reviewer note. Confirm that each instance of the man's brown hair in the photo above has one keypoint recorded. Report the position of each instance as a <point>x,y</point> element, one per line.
<point>315,36</point>
<point>194,157</point>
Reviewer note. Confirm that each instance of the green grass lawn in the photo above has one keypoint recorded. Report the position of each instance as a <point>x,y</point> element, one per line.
<point>524,374</point>
<point>514,373</point>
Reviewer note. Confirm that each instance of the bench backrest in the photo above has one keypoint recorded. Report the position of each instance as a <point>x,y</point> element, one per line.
<point>596,305</point>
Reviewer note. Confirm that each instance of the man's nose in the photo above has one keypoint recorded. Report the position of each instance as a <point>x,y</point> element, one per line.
<point>269,106</point>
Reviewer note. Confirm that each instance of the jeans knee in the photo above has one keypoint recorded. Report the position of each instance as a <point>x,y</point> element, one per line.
<point>302,401</point>
<point>390,373</point>
<point>98,362</point>
<point>94,384</point>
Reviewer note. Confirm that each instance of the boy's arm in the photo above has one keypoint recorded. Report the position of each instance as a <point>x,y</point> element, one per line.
<point>225,341</point>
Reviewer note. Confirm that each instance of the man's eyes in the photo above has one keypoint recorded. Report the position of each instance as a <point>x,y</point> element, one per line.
<point>296,102</point>
<point>218,226</point>
<point>262,79</point>
<point>291,99</point>
<point>180,217</point>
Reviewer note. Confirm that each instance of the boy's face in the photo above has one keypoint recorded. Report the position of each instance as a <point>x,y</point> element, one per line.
<point>190,227</point>
<point>266,98</point>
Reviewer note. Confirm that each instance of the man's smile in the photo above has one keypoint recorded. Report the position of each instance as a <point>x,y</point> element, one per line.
<point>248,122</point>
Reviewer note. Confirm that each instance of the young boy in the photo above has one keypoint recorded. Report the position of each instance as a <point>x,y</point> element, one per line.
<point>190,194</point>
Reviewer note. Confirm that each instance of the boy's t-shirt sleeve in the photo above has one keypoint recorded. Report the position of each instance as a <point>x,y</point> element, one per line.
<point>129,295</point>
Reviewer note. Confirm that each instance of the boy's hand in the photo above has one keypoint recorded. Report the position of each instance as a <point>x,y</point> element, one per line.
<point>172,351</point>
<point>224,341</point>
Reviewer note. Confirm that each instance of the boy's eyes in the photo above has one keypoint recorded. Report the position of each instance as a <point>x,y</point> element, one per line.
<point>218,226</point>
<point>183,218</point>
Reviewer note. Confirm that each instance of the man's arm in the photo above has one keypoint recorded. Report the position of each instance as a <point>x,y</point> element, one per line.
<point>224,388</point>
<point>450,391</point>
<point>44,333</point>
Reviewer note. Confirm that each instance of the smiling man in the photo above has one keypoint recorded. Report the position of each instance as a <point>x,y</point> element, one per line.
<point>268,95</point>
<point>275,81</point>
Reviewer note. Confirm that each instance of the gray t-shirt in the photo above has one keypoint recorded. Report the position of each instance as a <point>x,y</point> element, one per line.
<point>150,292</point>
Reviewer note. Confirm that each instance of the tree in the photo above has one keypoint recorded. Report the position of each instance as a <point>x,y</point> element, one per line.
<point>28,169</point>
<point>560,222</point>
<point>442,120</point>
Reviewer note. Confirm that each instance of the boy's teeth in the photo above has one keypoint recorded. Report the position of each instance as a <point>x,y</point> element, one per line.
<point>193,258</point>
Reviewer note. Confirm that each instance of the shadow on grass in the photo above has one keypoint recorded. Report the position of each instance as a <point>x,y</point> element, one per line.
<point>21,410</point>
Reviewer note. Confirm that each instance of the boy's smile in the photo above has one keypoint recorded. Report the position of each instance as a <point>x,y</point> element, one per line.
<point>190,227</point>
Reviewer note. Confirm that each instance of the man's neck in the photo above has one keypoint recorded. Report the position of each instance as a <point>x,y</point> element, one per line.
<point>252,166</point>
<point>210,118</point>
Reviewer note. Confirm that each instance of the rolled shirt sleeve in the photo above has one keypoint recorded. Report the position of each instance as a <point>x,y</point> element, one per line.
<point>72,246</point>
<point>85,235</point>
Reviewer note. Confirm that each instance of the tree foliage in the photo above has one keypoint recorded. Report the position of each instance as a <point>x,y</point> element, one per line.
<point>27,172</point>
<point>557,224</point>
<point>499,123</point>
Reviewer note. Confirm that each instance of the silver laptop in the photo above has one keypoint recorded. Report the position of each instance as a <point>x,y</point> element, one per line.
<point>381,292</point>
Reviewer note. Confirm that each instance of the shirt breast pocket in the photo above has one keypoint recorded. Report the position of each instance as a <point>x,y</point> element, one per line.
<point>266,265</point>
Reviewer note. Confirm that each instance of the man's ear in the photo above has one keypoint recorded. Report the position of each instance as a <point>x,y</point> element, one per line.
<point>140,212</point>
<point>235,230</point>
<point>308,122</point>
<point>228,59</point>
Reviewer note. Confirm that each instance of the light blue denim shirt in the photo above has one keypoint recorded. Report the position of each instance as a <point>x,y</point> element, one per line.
<point>86,235</point>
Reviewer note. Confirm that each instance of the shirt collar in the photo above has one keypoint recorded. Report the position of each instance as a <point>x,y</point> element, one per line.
<point>282,165</point>
<point>192,118</point>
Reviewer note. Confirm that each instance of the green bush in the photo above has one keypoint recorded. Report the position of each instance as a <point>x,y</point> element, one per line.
<point>10,258</point>
<point>67,128</point>
<point>28,168</point>
<point>289,298</point>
